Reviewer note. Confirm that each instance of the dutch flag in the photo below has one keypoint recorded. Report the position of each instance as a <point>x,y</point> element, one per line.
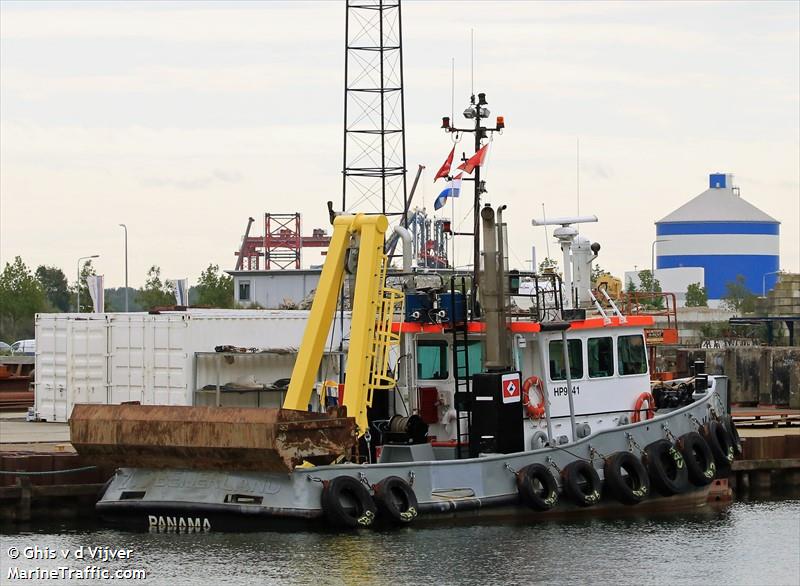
<point>453,189</point>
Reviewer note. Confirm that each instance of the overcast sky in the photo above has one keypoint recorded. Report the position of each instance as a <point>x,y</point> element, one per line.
<point>183,119</point>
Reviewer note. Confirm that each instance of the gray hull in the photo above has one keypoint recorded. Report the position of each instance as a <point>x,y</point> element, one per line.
<point>215,500</point>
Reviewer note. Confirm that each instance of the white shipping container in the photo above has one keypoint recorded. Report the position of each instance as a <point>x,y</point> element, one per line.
<point>110,358</point>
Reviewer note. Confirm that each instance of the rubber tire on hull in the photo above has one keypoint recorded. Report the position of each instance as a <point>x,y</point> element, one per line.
<point>575,476</point>
<point>539,500</point>
<point>734,433</point>
<point>396,500</point>
<point>362,514</point>
<point>699,460</point>
<point>667,468</point>
<point>721,444</point>
<point>629,489</point>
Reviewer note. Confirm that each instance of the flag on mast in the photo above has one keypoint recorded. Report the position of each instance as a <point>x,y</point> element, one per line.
<point>453,189</point>
<point>444,171</point>
<point>475,160</point>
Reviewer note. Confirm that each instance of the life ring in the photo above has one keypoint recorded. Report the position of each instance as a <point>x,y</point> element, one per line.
<point>582,483</point>
<point>534,411</point>
<point>637,408</point>
<point>396,500</point>
<point>537,487</point>
<point>699,460</point>
<point>360,509</point>
<point>721,444</point>
<point>666,467</point>
<point>626,478</point>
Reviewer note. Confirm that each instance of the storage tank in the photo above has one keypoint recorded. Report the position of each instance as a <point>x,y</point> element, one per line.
<point>725,235</point>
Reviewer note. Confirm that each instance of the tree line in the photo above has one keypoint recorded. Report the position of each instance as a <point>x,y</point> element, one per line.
<point>25,292</point>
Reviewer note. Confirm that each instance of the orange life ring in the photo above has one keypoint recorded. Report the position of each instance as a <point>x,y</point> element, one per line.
<point>535,411</point>
<point>637,408</point>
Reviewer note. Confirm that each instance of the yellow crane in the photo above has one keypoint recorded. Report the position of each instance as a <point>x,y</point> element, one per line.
<point>371,335</point>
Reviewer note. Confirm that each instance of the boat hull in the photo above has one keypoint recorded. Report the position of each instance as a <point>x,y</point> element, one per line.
<point>213,500</point>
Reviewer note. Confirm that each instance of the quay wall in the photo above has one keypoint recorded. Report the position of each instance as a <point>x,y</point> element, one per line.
<point>759,375</point>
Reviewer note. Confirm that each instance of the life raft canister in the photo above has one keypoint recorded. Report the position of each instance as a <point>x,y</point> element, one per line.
<point>645,397</point>
<point>537,410</point>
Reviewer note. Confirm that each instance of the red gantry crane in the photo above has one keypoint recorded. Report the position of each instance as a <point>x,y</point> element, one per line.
<point>280,246</point>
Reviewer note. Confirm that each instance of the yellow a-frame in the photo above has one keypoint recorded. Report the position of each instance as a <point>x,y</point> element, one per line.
<point>371,334</point>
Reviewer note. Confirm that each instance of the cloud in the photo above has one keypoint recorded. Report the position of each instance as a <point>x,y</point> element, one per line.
<point>193,183</point>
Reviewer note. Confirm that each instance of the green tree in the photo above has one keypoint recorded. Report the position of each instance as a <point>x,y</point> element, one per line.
<point>155,293</point>
<point>597,272</point>
<point>55,287</point>
<point>215,288</point>
<point>696,296</point>
<point>21,297</point>
<point>649,284</point>
<point>738,297</point>
<point>547,264</point>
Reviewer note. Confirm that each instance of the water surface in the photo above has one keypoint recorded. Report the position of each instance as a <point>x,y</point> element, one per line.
<point>750,542</point>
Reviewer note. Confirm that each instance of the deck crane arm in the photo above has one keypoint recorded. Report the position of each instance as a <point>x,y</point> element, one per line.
<point>370,330</point>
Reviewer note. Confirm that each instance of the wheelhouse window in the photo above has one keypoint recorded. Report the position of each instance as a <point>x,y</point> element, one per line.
<point>474,355</point>
<point>432,359</point>
<point>244,290</point>
<point>558,370</point>
<point>601,357</point>
<point>631,355</point>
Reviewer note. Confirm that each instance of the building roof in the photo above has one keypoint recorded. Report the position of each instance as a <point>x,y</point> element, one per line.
<point>718,205</point>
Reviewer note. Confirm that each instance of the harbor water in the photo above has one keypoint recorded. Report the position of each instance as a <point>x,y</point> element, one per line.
<point>748,542</point>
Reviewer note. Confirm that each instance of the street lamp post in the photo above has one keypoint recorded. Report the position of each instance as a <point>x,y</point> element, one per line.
<point>653,256</point>
<point>764,281</point>
<point>78,282</point>
<point>126,266</point>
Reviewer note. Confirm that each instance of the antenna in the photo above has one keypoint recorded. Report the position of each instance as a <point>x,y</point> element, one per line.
<point>578,174</point>
<point>546,237</point>
<point>472,61</point>
<point>452,88</point>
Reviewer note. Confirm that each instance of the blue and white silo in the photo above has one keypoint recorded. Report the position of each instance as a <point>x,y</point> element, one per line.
<point>725,235</point>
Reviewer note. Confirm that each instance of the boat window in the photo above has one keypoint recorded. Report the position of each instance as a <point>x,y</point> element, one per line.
<point>631,355</point>
<point>474,355</point>
<point>432,359</point>
<point>244,290</point>
<point>601,357</point>
<point>557,369</point>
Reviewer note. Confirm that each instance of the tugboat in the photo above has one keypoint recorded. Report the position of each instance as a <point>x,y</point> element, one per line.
<point>492,392</point>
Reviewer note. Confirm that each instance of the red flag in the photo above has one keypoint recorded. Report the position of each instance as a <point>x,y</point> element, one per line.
<point>445,170</point>
<point>475,160</point>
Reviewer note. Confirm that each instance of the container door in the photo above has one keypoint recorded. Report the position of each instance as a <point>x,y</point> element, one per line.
<point>128,362</point>
<point>52,337</point>
<point>88,374</point>
<point>168,376</point>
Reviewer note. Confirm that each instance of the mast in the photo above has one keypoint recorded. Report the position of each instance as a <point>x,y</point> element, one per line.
<point>477,112</point>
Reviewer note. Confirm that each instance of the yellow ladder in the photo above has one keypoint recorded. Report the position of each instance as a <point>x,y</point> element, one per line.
<point>390,301</point>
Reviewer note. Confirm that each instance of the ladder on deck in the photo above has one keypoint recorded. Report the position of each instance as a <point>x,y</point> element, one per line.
<point>390,302</point>
<point>462,396</point>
